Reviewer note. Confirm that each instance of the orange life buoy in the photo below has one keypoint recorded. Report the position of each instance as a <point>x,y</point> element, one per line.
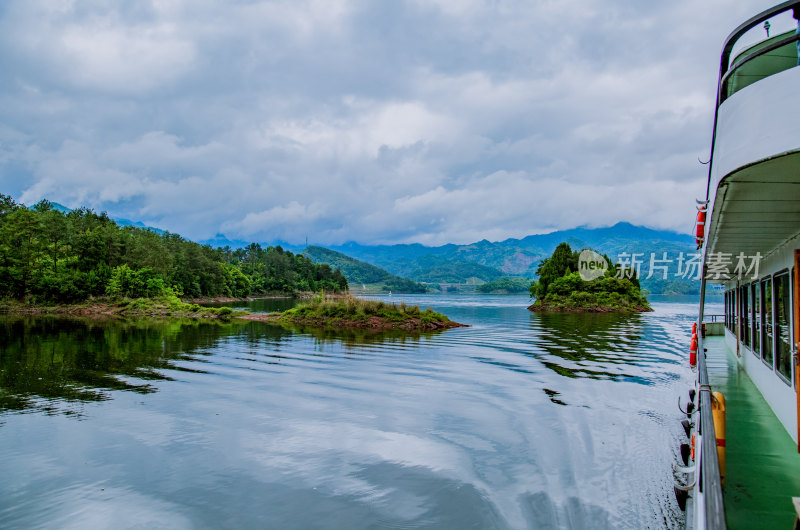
<point>701,226</point>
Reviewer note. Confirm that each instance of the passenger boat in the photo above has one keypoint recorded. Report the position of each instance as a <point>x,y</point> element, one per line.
<point>741,465</point>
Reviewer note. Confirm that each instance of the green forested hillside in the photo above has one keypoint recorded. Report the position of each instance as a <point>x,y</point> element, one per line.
<point>505,285</point>
<point>50,255</point>
<point>359,272</point>
<point>439,269</point>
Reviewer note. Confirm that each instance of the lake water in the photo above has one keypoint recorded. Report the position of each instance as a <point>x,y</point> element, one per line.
<point>519,421</point>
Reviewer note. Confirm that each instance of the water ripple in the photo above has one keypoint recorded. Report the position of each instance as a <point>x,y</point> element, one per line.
<point>519,421</point>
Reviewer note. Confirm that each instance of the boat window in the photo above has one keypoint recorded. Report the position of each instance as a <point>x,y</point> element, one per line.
<point>728,309</point>
<point>745,312</point>
<point>766,312</point>
<point>782,329</point>
<point>755,314</point>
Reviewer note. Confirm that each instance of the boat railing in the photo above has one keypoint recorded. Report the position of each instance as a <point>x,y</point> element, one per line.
<point>714,318</point>
<point>709,482</point>
<point>764,61</point>
<point>770,54</point>
<point>778,50</point>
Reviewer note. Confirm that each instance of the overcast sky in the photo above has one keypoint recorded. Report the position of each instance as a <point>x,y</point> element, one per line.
<point>377,121</point>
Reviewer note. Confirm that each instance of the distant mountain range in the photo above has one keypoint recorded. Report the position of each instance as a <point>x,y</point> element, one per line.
<point>487,261</point>
<point>520,257</point>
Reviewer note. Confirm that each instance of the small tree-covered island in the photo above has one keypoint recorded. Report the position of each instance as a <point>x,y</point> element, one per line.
<point>78,262</point>
<point>349,312</point>
<point>560,287</point>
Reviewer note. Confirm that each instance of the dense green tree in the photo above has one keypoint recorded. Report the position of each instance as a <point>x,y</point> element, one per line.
<point>22,246</point>
<point>563,261</point>
<point>49,255</point>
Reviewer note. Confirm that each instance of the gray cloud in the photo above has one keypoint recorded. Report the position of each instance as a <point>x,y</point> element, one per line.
<point>381,122</point>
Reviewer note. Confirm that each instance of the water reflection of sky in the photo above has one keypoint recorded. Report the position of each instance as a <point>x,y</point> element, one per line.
<point>518,421</point>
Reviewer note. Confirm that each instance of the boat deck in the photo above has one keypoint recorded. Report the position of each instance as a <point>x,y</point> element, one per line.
<point>763,465</point>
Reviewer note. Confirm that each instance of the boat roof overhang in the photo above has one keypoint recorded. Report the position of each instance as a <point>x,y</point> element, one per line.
<point>756,208</point>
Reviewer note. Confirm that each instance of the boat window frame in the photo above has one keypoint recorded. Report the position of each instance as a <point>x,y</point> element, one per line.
<point>792,294</point>
<point>765,326</point>
<point>730,309</point>
<point>789,320</point>
<point>745,308</point>
<point>755,333</point>
<point>727,310</point>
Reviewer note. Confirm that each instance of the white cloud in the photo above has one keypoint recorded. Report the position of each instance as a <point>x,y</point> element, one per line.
<point>410,121</point>
<point>99,50</point>
<point>292,214</point>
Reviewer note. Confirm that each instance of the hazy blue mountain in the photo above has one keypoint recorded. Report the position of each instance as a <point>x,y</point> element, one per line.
<point>516,256</point>
<point>60,207</point>
<point>137,224</point>
<point>221,240</point>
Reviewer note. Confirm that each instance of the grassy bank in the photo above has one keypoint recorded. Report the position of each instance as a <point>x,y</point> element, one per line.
<point>162,306</point>
<point>350,312</point>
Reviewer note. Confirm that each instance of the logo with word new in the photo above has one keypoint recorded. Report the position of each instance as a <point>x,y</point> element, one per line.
<point>591,265</point>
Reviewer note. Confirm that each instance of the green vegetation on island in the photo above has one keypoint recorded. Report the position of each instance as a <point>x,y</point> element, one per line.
<point>361,273</point>
<point>48,256</point>
<point>560,287</point>
<point>349,312</point>
<point>505,285</point>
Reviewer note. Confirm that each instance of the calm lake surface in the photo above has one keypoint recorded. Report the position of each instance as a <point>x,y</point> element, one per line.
<point>519,421</point>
